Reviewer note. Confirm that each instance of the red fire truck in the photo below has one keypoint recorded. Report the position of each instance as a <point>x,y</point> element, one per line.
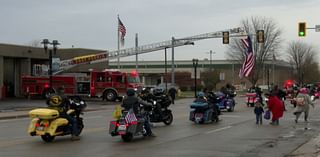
<point>108,84</point>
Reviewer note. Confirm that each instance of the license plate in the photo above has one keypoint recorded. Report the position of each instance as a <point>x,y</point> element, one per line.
<point>198,115</point>
<point>40,128</point>
<point>122,127</point>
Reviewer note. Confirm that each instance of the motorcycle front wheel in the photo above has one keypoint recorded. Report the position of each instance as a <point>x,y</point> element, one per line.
<point>169,118</point>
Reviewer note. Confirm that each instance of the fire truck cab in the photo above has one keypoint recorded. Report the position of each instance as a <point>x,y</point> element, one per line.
<point>108,84</point>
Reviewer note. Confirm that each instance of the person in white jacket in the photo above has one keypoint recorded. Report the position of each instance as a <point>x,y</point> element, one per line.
<point>303,101</point>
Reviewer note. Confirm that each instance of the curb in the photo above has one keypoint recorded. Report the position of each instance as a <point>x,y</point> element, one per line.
<point>26,115</point>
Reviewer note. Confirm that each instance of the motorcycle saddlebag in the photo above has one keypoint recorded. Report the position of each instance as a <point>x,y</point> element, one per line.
<point>207,115</point>
<point>191,116</point>
<point>44,113</point>
<point>199,105</point>
<point>112,128</point>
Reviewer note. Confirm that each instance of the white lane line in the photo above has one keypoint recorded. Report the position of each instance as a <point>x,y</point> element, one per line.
<point>217,130</point>
<point>230,116</point>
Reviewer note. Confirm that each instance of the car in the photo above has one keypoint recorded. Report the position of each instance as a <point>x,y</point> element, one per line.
<point>162,86</point>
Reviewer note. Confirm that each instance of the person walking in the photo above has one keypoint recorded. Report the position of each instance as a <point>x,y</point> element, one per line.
<point>276,107</point>
<point>172,92</point>
<point>303,101</point>
<point>258,111</point>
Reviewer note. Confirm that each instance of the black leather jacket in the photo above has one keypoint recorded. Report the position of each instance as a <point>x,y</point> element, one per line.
<point>134,103</point>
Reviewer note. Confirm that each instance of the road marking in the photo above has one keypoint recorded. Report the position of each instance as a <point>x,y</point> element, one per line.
<point>92,130</point>
<point>217,130</point>
<point>14,142</point>
<point>231,116</point>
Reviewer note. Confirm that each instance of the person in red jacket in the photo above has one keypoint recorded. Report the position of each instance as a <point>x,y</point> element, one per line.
<point>275,105</point>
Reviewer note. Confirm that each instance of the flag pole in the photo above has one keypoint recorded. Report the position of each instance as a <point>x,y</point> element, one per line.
<point>118,57</point>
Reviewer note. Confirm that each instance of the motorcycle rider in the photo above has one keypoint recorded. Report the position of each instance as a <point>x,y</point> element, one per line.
<point>132,101</point>
<point>60,102</point>
<point>228,89</point>
<point>202,98</point>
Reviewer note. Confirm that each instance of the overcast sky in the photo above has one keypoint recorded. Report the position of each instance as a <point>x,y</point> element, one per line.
<point>93,23</point>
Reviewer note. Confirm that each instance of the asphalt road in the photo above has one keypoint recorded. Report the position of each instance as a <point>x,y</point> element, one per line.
<point>235,135</point>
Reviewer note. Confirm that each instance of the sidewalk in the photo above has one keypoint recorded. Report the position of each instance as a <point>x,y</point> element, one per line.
<point>308,149</point>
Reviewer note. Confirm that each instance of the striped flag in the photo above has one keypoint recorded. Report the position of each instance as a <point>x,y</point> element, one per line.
<point>248,63</point>
<point>130,117</point>
<point>122,30</point>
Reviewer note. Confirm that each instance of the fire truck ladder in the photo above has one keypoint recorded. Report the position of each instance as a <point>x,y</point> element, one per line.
<point>101,57</point>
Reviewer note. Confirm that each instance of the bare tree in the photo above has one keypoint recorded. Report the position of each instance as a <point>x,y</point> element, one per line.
<point>210,78</point>
<point>303,60</point>
<point>35,43</point>
<point>262,51</point>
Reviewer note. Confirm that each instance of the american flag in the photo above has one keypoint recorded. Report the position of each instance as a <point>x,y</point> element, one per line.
<point>130,117</point>
<point>248,63</point>
<point>122,30</point>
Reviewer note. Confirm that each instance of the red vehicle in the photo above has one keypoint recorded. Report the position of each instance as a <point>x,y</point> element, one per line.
<point>251,99</point>
<point>108,84</point>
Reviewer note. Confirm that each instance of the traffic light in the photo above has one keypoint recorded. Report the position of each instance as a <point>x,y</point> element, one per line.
<point>302,29</point>
<point>260,36</point>
<point>225,37</point>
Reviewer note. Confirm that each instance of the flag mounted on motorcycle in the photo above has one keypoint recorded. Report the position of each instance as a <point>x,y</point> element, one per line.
<point>130,117</point>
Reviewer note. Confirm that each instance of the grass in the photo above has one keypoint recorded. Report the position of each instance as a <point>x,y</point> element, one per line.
<point>186,94</point>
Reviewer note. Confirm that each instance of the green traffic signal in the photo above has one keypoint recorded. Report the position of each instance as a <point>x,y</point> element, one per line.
<point>301,33</point>
<point>302,29</point>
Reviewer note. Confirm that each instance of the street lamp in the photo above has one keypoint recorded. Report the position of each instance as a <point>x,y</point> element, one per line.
<point>195,64</point>
<point>165,68</point>
<point>55,44</point>
<point>173,40</point>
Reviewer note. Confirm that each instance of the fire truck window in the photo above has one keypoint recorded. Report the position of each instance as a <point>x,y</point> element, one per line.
<point>120,79</point>
<point>100,78</point>
<point>109,79</point>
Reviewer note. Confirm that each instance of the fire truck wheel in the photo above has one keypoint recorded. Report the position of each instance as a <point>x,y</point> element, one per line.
<point>110,95</point>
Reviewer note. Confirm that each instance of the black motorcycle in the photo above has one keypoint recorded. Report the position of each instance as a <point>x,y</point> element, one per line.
<point>160,111</point>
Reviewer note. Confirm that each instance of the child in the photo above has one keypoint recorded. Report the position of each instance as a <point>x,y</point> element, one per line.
<point>258,110</point>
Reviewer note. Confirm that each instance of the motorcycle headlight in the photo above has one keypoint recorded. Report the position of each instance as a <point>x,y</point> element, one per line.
<point>81,102</point>
<point>154,102</point>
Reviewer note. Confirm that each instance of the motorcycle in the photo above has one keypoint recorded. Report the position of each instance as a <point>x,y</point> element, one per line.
<point>160,111</point>
<point>47,123</point>
<point>252,98</point>
<point>203,112</point>
<point>126,128</point>
<point>225,101</point>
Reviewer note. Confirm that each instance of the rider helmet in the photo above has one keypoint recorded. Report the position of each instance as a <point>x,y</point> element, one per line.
<point>55,100</point>
<point>131,92</point>
<point>200,94</point>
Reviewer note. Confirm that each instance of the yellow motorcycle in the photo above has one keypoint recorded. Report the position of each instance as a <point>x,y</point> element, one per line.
<point>47,123</point>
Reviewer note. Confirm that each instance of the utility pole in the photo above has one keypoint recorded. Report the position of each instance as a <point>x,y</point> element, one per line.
<point>137,52</point>
<point>210,60</point>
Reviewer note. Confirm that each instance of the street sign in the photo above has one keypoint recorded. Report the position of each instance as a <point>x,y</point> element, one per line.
<point>317,28</point>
